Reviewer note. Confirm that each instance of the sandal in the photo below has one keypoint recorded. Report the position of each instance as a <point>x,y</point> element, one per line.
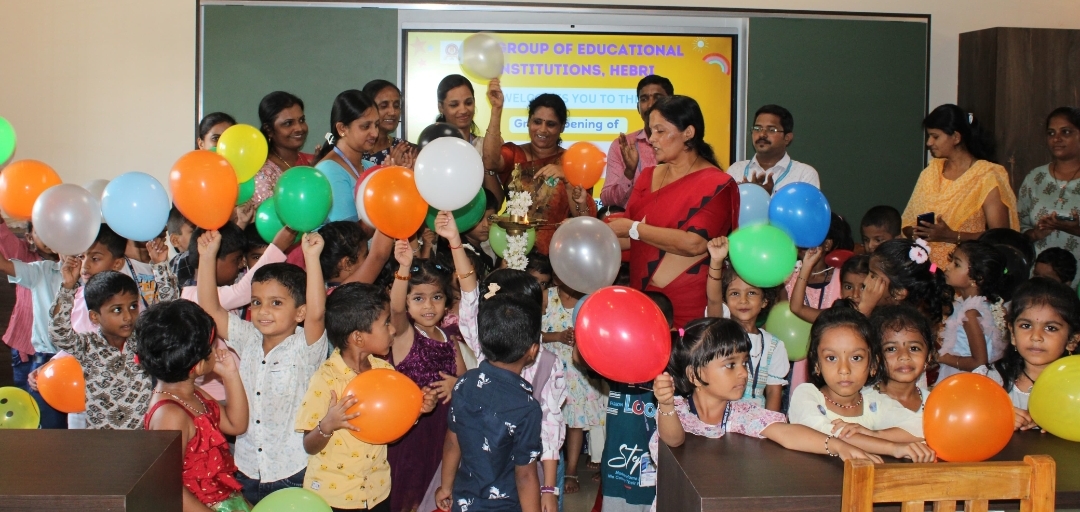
<point>592,465</point>
<point>570,484</point>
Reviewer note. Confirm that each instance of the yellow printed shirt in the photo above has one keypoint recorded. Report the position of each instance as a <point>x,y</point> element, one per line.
<point>347,473</point>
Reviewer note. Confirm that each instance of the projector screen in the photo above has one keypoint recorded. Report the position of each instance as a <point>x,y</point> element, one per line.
<point>596,74</point>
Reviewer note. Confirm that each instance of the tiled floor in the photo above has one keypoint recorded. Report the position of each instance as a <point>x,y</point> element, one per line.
<point>582,501</point>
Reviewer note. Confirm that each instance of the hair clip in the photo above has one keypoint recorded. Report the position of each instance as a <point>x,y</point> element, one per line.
<point>919,252</point>
<point>329,138</point>
<point>971,118</point>
<point>492,289</point>
<point>933,268</point>
<point>681,332</point>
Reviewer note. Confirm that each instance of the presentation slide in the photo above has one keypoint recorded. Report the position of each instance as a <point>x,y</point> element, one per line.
<point>595,74</point>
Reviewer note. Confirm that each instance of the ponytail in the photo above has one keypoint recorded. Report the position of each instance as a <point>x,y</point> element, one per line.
<point>348,107</point>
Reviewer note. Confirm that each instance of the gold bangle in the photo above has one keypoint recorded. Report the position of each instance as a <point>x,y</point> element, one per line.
<point>467,274</point>
<point>399,278</point>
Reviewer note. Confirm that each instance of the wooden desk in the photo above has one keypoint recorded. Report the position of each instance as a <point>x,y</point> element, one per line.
<point>740,473</point>
<point>90,470</point>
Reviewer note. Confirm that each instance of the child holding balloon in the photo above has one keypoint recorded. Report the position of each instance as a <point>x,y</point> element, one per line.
<point>974,335</point>
<point>175,347</point>
<point>844,359</point>
<point>746,304</point>
<point>277,359</point>
<point>1044,326</point>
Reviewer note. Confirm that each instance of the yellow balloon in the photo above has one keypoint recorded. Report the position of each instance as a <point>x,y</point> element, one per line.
<point>1055,399</point>
<point>244,146</point>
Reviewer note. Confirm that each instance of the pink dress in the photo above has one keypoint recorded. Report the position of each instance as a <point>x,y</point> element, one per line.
<point>818,298</point>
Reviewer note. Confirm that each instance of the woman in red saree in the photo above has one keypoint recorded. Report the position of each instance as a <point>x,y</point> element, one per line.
<point>675,208</point>
<point>534,167</point>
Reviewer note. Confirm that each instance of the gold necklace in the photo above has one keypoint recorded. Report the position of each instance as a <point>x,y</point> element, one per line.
<point>185,404</point>
<point>287,166</point>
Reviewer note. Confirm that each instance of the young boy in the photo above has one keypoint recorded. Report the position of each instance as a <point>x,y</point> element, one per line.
<point>41,278</point>
<point>494,443</point>
<point>880,224</point>
<point>1057,264</point>
<point>345,471</point>
<point>277,359</point>
<point>117,390</point>
<point>256,246</point>
<point>180,230</point>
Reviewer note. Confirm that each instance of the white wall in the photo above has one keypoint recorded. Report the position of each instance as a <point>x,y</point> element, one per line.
<point>103,87</point>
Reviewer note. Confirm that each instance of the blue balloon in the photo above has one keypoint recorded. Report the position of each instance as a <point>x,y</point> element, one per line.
<point>753,204</point>
<point>136,206</point>
<point>802,211</point>
<point>577,307</point>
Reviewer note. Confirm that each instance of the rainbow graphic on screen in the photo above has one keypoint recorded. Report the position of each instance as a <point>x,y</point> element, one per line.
<point>719,60</point>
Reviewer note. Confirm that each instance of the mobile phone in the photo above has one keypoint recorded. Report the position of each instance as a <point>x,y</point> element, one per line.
<point>1065,218</point>
<point>927,217</point>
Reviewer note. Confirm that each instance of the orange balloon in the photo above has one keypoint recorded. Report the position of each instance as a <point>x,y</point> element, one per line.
<point>583,163</point>
<point>388,402</point>
<point>204,188</point>
<point>967,418</point>
<point>62,385</point>
<point>21,183</point>
<point>393,204</point>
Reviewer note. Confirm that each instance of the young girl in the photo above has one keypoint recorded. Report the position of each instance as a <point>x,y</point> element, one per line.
<point>973,335</point>
<point>175,347</point>
<point>428,355</point>
<point>901,272</point>
<point>852,274</point>
<point>746,304</point>
<point>701,391</point>
<point>904,336</point>
<point>1044,325</point>
<point>539,266</point>
<point>844,359</point>
<point>584,409</point>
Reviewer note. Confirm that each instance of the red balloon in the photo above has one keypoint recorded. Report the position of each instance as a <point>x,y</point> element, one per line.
<point>389,404</point>
<point>62,385</point>
<point>623,335</point>
<point>583,163</point>
<point>837,258</point>
<point>967,418</point>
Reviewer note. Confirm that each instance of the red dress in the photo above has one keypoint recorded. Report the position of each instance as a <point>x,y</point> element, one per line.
<point>705,203</point>
<point>208,465</point>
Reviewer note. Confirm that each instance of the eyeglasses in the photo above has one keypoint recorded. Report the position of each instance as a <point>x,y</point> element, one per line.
<point>769,129</point>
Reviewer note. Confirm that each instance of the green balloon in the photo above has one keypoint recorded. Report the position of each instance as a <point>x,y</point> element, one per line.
<point>303,197</point>
<point>762,255</point>
<point>7,141</point>
<point>267,222</point>
<point>497,239</point>
<point>792,330</point>
<point>18,410</point>
<point>465,217</point>
<point>247,189</point>
<point>292,499</point>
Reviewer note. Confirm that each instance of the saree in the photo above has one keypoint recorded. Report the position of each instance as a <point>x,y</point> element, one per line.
<point>958,203</point>
<point>705,203</point>
<point>550,200</point>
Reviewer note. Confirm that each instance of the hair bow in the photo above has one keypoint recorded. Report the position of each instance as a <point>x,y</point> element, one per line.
<point>492,289</point>
<point>919,252</point>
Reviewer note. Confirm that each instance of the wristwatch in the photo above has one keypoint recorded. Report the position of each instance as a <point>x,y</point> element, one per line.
<point>634,232</point>
<point>549,490</point>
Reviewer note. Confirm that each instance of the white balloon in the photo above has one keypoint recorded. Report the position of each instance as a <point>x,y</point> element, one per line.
<point>67,218</point>
<point>482,55</point>
<point>360,210</point>
<point>585,254</point>
<point>96,188</point>
<point>448,173</point>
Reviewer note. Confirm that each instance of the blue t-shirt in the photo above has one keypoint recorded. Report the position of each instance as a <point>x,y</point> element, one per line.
<point>43,279</point>
<point>497,423</point>
<point>631,421</point>
<point>342,184</point>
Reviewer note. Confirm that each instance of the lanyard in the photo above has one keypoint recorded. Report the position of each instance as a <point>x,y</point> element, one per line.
<point>723,422</point>
<point>746,172</point>
<point>757,369</point>
<point>346,160</point>
<point>132,269</point>
<point>821,293</point>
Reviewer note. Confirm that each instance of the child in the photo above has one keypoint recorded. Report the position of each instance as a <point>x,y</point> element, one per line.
<point>233,293</point>
<point>255,247</point>
<point>494,439</point>
<point>583,409</point>
<point>345,471</point>
<point>879,225</point>
<point>905,338</point>
<point>1044,322</point>
<point>180,230</point>
<point>350,256</point>
<point>539,266</point>
<point>701,391</point>
<point>117,390</point>
<point>277,359</point>
<point>844,359</point>
<point>852,274</point>
<point>974,335</point>
<point>746,304</point>
<point>901,272</point>
<point>1057,264</point>
<point>428,355</point>
<point>20,329</point>
<point>175,347</point>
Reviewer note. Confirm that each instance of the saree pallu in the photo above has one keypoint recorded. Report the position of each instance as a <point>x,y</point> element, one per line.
<point>705,203</point>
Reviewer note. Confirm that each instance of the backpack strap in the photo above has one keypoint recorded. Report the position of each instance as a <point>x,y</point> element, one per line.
<point>543,372</point>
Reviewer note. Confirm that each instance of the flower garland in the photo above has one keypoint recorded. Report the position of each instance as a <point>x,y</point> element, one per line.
<point>516,245</point>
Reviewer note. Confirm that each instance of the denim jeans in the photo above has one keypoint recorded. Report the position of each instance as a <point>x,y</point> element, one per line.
<point>50,418</point>
<point>20,370</point>
<point>255,490</point>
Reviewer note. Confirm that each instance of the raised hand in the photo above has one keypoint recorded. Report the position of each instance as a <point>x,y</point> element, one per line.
<point>664,390</point>
<point>403,253</point>
<point>811,257</point>
<point>446,227</point>
<point>313,244</point>
<point>209,243</point>
<point>158,250</point>
<point>718,249</point>
<point>70,271</point>
<point>224,364</point>
<point>495,94</point>
<point>630,156</point>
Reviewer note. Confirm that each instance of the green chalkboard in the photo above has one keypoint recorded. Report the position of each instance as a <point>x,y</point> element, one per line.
<point>312,52</point>
<point>857,90</point>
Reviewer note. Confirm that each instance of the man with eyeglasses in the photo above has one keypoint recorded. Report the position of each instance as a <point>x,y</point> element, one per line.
<point>771,166</point>
<point>631,152</point>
